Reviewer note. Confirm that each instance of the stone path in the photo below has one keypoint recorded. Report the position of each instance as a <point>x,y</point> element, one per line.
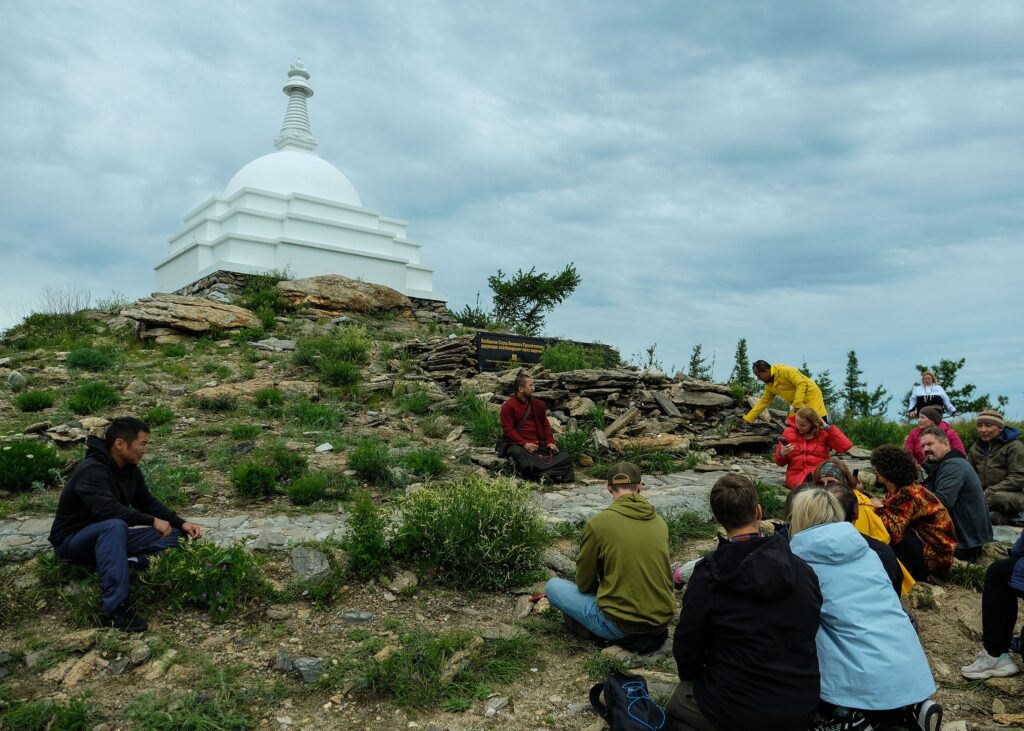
<point>681,491</point>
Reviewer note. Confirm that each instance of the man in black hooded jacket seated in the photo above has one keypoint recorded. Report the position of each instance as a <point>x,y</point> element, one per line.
<point>99,514</point>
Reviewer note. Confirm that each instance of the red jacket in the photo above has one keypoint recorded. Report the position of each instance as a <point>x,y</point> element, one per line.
<point>913,443</point>
<point>808,453</point>
<point>512,412</point>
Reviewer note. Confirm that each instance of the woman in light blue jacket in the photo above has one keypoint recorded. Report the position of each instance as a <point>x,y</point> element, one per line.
<point>872,665</point>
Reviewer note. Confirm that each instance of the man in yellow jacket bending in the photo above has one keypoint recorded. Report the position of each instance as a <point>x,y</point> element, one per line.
<point>791,385</point>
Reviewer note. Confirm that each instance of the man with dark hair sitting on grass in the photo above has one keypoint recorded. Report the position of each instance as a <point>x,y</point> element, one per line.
<point>745,643</point>
<point>100,506</point>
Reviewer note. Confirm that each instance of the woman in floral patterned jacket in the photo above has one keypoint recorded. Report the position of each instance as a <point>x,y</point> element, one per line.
<point>921,530</point>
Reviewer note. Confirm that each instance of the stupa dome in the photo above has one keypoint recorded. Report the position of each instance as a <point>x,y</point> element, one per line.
<point>294,170</point>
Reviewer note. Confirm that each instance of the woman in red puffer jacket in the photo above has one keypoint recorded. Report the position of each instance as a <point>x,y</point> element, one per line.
<point>805,444</point>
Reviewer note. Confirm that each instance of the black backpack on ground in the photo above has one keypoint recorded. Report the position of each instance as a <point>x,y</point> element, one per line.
<point>627,704</point>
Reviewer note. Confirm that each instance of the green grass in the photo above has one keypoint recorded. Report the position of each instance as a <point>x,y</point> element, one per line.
<point>599,667</point>
<point>26,463</point>
<point>413,676</point>
<point>575,443</point>
<point>314,416</point>
<point>89,359</point>
<point>218,404</point>
<point>245,432</point>
<point>314,487</point>
<point>968,575</point>
<point>372,461</point>
<point>426,462</point>
<point>873,431</point>
<point>56,331</point>
<point>78,713</point>
<point>30,401</point>
<point>92,397</point>
<point>174,350</point>
<point>166,480</point>
<point>772,500</point>
<point>157,415</point>
<point>686,525</point>
<point>435,426</point>
<point>269,396</point>
<point>566,355</point>
<point>483,425</point>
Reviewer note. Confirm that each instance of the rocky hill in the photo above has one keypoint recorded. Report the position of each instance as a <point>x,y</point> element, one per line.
<point>336,442</point>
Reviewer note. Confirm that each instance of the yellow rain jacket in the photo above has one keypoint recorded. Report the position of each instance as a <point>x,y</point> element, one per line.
<point>793,387</point>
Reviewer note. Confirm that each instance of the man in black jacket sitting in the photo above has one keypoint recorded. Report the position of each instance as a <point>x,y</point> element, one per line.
<point>745,644</point>
<point>100,506</point>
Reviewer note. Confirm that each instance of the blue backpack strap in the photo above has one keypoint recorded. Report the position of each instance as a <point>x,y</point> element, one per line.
<point>636,691</point>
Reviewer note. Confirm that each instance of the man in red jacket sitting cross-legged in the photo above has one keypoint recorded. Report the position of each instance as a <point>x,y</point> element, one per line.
<point>524,424</point>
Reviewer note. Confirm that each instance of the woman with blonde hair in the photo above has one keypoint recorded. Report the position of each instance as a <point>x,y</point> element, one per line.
<point>873,668</point>
<point>929,393</point>
<point>806,443</point>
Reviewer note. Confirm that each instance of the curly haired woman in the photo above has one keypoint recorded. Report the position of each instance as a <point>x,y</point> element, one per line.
<point>920,528</point>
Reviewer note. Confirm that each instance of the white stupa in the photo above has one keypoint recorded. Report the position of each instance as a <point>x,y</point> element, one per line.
<point>292,210</point>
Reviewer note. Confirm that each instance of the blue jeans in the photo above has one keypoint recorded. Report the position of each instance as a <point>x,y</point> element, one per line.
<point>107,546</point>
<point>564,595</point>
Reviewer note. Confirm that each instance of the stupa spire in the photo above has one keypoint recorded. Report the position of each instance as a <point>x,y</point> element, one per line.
<point>295,131</point>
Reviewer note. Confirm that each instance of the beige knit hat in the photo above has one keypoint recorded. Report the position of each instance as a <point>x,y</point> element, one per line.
<point>991,416</point>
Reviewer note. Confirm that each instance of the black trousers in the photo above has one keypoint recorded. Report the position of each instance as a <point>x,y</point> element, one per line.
<point>910,552</point>
<point>555,468</point>
<point>999,607</point>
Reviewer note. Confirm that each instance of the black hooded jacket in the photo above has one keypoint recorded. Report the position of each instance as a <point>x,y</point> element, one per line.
<point>99,490</point>
<point>746,637</point>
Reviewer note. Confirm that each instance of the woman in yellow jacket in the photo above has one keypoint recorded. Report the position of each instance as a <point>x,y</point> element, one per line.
<point>788,383</point>
<point>867,522</point>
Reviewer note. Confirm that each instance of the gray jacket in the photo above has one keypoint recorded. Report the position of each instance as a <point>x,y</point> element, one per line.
<point>957,485</point>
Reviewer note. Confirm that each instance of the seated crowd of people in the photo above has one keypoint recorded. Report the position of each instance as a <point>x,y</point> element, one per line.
<point>804,627</point>
<point>798,629</point>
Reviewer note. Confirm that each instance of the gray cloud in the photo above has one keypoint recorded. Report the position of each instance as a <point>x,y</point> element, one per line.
<point>815,177</point>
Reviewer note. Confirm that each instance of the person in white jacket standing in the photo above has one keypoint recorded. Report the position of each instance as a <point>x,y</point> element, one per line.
<point>929,393</point>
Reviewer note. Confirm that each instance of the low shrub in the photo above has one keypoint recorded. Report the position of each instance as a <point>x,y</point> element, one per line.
<point>340,373</point>
<point>157,415</point>
<point>220,404</point>
<point>426,462</point>
<point>174,350</point>
<point>371,459</point>
<point>220,579</point>
<point>89,359</point>
<point>596,418</point>
<point>366,543</point>
<point>245,431</point>
<point>472,534</point>
<point>203,710</point>
<point>575,443</point>
<point>268,397</point>
<point>35,400</point>
<point>311,415</point>
<point>415,400</point>
<point>92,397</point>
<point>260,295</point>
<point>417,675</point>
<point>24,463</point>
<point>566,355</point>
<point>314,486</point>
<point>287,465</point>
<point>253,480</point>
<point>482,423</point>
<point>351,344</point>
<point>737,391</point>
<point>78,713</point>
<point>873,431</point>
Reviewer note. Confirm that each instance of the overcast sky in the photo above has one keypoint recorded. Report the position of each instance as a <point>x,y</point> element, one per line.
<point>815,177</point>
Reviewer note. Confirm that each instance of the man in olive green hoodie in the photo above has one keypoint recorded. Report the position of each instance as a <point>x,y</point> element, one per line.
<point>623,590</point>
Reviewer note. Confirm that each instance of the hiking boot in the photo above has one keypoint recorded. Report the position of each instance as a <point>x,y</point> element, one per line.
<point>1017,645</point>
<point>1018,520</point>
<point>845,719</point>
<point>926,716</point>
<point>124,621</point>
<point>987,666</point>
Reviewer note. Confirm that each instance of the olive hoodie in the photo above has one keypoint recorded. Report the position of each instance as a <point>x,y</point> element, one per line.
<point>624,560</point>
<point>1000,462</point>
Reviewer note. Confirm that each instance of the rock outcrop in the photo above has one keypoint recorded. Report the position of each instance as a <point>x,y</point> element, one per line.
<point>193,315</point>
<point>334,294</point>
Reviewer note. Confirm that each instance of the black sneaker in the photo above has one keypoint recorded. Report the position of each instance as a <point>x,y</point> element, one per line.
<point>845,720</point>
<point>926,716</point>
<point>139,564</point>
<point>124,621</point>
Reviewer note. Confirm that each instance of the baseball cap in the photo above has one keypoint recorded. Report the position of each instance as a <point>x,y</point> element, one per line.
<point>624,473</point>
